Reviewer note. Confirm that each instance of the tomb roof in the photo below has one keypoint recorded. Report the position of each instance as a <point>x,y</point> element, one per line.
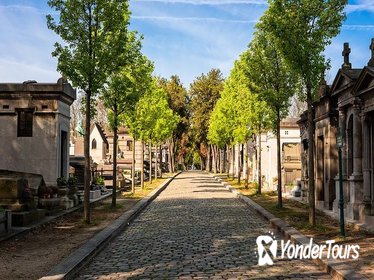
<point>62,87</point>
<point>101,131</point>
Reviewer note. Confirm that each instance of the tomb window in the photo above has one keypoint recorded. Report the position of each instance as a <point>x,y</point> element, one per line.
<point>129,145</point>
<point>24,122</point>
<point>44,107</point>
<point>286,132</point>
<point>5,106</point>
<point>94,144</point>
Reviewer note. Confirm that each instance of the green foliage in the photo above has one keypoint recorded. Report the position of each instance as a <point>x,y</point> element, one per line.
<point>179,103</point>
<point>271,78</point>
<point>239,112</point>
<point>125,88</point>
<point>96,43</point>
<point>95,36</point>
<point>204,93</point>
<point>72,181</point>
<point>154,120</point>
<point>301,29</point>
<point>61,181</point>
<point>99,181</point>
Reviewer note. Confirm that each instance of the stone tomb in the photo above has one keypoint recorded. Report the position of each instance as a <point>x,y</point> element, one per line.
<point>19,193</point>
<point>34,128</point>
<point>347,108</point>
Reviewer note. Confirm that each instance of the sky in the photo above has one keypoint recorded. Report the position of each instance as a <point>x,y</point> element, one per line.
<point>183,37</point>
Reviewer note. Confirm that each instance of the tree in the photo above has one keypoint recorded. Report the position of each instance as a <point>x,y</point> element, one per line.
<point>253,115</point>
<point>95,38</point>
<point>204,93</point>
<point>142,83</point>
<point>121,95</point>
<point>274,83</point>
<point>301,30</point>
<point>239,112</point>
<point>154,120</point>
<point>178,102</point>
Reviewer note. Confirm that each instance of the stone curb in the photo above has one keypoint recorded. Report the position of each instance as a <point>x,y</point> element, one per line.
<point>337,270</point>
<point>72,264</point>
<point>354,224</point>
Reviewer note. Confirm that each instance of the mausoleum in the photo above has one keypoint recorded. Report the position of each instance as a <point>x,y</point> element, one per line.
<point>34,128</point>
<point>346,107</point>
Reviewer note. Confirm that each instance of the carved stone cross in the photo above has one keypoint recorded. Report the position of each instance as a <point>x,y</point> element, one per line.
<point>345,53</point>
<point>371,61</point>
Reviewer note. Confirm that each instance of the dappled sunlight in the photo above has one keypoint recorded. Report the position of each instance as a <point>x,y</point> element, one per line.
<point>191,230</point>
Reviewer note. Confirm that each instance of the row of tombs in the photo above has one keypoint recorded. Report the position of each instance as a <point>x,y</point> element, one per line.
<point>344,109</point>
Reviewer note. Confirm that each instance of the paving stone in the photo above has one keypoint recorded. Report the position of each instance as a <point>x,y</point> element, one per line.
<point>194,229</point>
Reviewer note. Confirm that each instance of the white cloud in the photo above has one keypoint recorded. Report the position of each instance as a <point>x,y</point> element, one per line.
<point>25,51</point>
<point>201,19</point>
<point>208,2</point>
<point>17,72</point>
<point>367,27</point>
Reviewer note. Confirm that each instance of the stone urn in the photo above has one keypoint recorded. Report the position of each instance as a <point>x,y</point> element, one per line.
<point>62,191</point>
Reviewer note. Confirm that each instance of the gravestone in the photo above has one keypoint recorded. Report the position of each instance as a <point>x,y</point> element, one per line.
<point>19,193</point>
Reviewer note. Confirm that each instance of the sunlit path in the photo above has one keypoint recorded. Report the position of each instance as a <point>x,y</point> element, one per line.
<point>195,229</point>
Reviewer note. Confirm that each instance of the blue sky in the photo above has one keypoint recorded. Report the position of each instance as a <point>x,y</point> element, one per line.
<point>183,37</point>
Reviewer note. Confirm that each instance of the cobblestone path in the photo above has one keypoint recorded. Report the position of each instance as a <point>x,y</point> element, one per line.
<point>195,229</point>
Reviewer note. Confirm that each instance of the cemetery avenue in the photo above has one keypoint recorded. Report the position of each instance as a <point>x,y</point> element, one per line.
<point>195,229</point>
<point>186,139</point>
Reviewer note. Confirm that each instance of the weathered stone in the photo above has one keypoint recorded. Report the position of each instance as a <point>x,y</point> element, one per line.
<point>35,127</point>
<point>345,108</point>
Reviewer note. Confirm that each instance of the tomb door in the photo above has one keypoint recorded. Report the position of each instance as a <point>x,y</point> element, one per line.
<point>63,153</point>
<point>350,146</point>
<point>371,156</point>
<point>320,168</point>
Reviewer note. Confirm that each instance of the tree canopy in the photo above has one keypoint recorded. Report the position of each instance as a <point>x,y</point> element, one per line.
<point>95,39</point>
<point>301,29</point>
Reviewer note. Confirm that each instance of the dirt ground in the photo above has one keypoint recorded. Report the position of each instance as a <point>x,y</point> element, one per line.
<point>34,254</point>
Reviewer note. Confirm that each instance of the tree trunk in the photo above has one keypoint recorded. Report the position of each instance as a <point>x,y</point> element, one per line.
<point>228,161</point>
<point>221,161</point>
<point>208,159</point>
<point>142,165</point>
<point>238,160</point>
<point>170,156</point>
<point>247,164</point>
<point>156,162</point>
<point>133,167</point>
<point>214,159</point>
<point>150,162</point>
<point>312,210</point>
<point>114,188</point>
<point>259,163</point>
<point>279,164</point>
<point>160,161</point>
<point>233,161</point>
<point>87,160</point>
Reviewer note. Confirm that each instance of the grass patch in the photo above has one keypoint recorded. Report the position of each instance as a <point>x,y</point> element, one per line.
<point>251,190</point>
<point>148,187</point>
<point>295,213</point>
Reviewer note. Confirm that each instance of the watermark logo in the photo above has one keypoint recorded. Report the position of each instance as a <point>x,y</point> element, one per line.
<point>267,248</point>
